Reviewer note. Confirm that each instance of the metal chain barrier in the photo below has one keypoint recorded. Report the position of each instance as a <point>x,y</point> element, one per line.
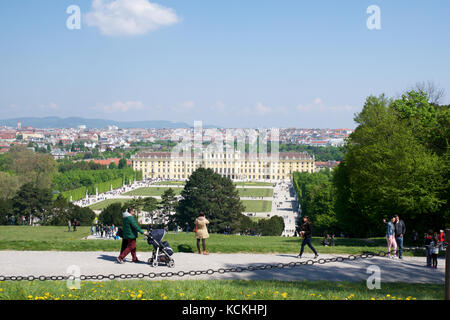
<point>152,275</point>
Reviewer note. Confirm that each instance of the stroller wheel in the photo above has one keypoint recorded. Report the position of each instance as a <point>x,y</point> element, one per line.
<point>171,264</point>
<point>154,263</point>
<point>150,261</point>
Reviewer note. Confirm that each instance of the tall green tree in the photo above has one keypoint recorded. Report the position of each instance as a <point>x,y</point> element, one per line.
<point>35,168</point>
<point>32,202</point>
<point>389,167</point>
<point>215,196</point>
<point>168,206</point>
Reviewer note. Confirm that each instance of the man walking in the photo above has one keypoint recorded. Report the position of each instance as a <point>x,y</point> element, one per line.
<point>130,233</point>
<point>400,230</point>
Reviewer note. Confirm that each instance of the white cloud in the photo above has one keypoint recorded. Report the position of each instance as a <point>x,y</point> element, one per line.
<point>120,106</point>
<point>262,109</point>
<point>129,17</point>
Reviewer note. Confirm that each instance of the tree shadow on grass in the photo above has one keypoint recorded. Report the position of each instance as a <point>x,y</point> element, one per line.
<point>185,248</point>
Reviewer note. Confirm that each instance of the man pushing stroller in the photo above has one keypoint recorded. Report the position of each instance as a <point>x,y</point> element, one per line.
<point>129,234</point>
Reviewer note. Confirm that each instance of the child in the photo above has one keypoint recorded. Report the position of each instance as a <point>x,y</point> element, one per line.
<point>434,252</point>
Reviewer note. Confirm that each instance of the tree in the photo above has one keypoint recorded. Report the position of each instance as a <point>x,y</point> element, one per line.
<point>112,215</point>
<point>6,209</point>
<point>431,90</point>
<point>9,184</point>
<point>32,202</point>
<point>271,227</point>
<point>122,163</point>
<point>168,206</point>
<point>389,167</point>
<point>31,167</point>
<point>63,211</point>
<point>112,165</point>
<point>215,196</point>
<point>317,199</point>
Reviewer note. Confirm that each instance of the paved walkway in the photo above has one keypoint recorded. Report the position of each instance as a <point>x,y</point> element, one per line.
<point>48,263</point>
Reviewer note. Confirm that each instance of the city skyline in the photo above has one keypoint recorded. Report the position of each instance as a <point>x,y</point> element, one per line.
<point>228,64</point>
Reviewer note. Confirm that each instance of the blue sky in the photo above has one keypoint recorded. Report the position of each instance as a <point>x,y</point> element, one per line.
<point>265,63</point>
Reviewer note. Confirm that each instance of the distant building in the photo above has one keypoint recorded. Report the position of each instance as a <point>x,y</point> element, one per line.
<point>236,166</point>
<point>326,165</point>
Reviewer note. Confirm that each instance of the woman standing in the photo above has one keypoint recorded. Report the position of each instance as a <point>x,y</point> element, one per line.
<point>390,237</point>
<point>306,233</point>
<point>201,232</point>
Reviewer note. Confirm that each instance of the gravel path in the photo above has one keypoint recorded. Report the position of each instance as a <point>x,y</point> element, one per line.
<point>48,263</point>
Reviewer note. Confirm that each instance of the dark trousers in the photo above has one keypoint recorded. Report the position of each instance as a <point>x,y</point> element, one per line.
<point>124,245</point>
<point>434,257</point>
<point>131,247</point>
<point>399,241</point>
<point>428,252</point>
<point>307,241</point>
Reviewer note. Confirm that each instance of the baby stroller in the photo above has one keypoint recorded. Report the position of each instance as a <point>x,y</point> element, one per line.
<point>162,252</point>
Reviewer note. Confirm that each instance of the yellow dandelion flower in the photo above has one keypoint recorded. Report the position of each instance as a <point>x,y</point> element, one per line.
<point>30,297</point>
<point>181,294</point>
<point>284,295</point>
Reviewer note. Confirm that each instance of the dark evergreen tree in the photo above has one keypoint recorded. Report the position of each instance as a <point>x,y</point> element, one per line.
<point>215,196</point>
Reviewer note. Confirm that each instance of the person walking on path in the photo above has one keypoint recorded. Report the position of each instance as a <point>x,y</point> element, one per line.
<point>130,233</point>
<point>434,250</point>
<point>390,237</point>
<point>306,233</point>
<point>201,232</point>
<point>400,230</point>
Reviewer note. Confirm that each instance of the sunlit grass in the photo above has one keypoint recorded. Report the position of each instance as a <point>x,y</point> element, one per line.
<point>217,290</point>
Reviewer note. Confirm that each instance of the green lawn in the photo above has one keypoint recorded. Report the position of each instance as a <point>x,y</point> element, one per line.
<point>255,192</point>
<point>57,238</point>
<point>103,204</point>
<point>170,183</point>
<point>254,184</point>
<point>257,205</point>
<point>217,290</point>
<point>152,191</point>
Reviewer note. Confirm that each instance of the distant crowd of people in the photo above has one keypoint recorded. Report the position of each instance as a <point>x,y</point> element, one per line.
<point>105,231</point>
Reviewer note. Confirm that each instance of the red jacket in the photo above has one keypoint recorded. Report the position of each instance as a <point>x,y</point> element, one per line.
<point>441,237</point>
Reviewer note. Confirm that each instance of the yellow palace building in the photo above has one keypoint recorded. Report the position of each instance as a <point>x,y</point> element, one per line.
<point>235,165</point>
